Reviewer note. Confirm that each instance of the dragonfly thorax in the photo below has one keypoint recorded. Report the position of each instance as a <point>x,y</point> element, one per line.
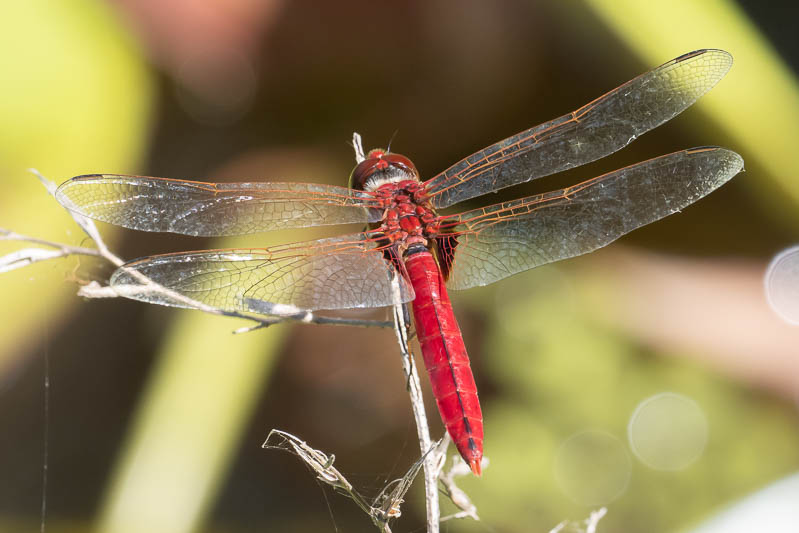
<point>408,218</point>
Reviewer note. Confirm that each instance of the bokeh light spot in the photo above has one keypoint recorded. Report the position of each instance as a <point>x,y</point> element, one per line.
<point>782,285</point>
<point>667,431</point>
<point>217,88</point>
<point>592,467</point>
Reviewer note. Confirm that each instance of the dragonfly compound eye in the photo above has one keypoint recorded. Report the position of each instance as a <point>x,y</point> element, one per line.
<point>381,167</point>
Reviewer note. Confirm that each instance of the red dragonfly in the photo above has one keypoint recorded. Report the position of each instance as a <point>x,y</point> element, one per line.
<point>406,242</point>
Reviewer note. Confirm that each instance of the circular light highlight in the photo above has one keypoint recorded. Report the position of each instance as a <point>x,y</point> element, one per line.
<point>782,285</point>
<point>667,431</point>
<point>217,88</point>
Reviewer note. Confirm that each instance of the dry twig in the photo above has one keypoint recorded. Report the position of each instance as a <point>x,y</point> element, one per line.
<point>456,494</point>
<point>383,508</point>
<point>432,458</point>
<point>588,525</point>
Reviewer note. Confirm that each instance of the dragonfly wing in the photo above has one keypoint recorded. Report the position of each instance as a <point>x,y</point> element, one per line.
<point>338,273</point>
<point>494,242</point>
<point>212,209</point>
<point>596,130</point>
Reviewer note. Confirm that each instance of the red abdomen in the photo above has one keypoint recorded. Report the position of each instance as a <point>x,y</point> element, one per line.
<point>445,358</point>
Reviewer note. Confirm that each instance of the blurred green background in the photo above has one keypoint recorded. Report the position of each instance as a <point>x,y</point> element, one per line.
<point>156,416</point>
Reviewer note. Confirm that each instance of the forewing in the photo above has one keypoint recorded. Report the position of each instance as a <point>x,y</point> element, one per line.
<point>597,129</point>
<point>494,242</point>
<point>338,273</point>
<point>212,209</point>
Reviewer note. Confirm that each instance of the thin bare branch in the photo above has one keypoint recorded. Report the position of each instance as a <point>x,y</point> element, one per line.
<point>588,525</point>
<point>431,460</point>
<point>25,257</point>
<point>96,290</point>
<point>456,494</point>
<point>28,256</point>
<point>7,235</point>
<point>358,147</point>
<point>592,521</point>
<point>85,223</point>
<point>389,501</point>
<point>93,289</point>
<point>311,318</point>
<point>381,510</point>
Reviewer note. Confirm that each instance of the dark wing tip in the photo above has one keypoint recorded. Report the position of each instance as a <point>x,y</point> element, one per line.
<point>702,51</point>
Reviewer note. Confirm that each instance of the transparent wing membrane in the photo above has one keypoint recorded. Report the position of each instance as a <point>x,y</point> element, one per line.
<point>474,248</point>
<point>494,242</point>
<point>338,273</point>
<point>212,209</point>
<point>597,129</point>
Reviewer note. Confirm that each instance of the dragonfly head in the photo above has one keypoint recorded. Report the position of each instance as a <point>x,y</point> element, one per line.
<point>381,167</point>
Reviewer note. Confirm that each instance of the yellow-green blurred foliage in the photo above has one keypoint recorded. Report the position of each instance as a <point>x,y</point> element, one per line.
<point>76,97</point>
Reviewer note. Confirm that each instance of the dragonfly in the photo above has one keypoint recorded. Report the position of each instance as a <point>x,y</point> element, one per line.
<point>408,252</point>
